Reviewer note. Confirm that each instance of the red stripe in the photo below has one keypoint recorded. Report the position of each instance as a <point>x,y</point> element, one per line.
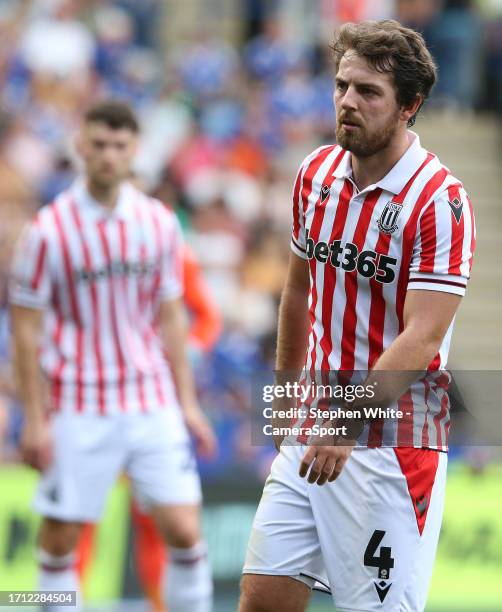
<point>322,153</point>
<point>435,363</point>
<point>67,267</point>
<point>428,239</point>
<point>409,234</point>
<point>378,306</point>
<point>74,308</point>
<point>150,335</point>
<point>425,428</point>
<point>143,300</point>
<point>445,405</point>
<point>57,376</point>
<point>96,328</point>
<point>157,279</point>
<point>35,281</point>
<point>317,220</point>
<point>122,366</point>
<point>142,293</point>
<point>457,234</point>
<point>351,286</point>
<point>329,285</point>
<point>112,305</point>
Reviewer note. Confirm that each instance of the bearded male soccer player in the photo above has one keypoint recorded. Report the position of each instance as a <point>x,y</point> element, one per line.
<point>383,237</point>
<point>93,275</point>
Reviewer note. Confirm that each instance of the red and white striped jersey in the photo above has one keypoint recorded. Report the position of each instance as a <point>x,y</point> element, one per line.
<point>100,276</point>
<point>414,229</point>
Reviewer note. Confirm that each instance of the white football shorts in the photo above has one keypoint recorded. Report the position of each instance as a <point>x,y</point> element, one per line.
<point>91,451</point>
<point>369,538</point>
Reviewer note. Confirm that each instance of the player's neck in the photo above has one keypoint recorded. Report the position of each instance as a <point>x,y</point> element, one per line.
<point>106,195</point>
<point>369,170</point>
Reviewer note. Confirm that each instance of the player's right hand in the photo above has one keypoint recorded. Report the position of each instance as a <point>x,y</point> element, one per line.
<point>36,443</point>
<point>325,462</point>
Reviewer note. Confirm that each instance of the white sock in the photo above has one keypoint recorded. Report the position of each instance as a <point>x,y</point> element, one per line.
<point>188,581</point>
<point>57,574</point>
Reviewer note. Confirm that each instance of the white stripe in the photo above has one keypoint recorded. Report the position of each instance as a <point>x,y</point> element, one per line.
<point>468,229</point>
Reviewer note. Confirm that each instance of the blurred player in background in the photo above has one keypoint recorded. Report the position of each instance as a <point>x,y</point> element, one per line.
<point>149,549</point>
<point>96,298</point>
<point>383,239</point>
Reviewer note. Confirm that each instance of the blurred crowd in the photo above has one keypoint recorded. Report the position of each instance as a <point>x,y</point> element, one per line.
<point>224,128</point>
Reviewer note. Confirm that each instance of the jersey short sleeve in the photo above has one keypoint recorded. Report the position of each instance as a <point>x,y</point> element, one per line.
<point>444,244</point>
<point>29,282</point>
<point>171,282</point>
<point>298,237</point>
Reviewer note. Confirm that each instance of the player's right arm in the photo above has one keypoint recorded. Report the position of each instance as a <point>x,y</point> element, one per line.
<point>292,333</point>
<point>29,290</point>
<point>36,444</point>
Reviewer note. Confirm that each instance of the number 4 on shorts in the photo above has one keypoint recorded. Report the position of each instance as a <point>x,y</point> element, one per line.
<point>384,561</point>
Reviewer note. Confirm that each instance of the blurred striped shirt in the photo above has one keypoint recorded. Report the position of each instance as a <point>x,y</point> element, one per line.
<point>100,275</point>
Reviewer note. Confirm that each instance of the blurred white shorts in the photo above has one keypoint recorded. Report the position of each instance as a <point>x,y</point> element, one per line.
<point>91,451</point>
<point>369,538</point>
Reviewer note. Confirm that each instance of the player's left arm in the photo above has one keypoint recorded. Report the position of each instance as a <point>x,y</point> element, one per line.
<point>173,326</point>
<point>439,272</point>
<point>427,317</point>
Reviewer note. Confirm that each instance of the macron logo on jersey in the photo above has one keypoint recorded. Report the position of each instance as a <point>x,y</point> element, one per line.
<point>347,256</point>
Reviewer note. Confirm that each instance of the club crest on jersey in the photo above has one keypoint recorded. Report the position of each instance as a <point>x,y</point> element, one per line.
<point>387,223</point>
<point>456,208</point>
<point>325,191</point>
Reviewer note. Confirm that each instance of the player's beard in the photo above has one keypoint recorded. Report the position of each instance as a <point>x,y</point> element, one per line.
<point>364,143</point>
<point>106,181</point>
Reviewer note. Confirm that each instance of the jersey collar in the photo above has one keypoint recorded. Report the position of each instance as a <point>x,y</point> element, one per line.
<point>84,199</point>
<point>395,180</point>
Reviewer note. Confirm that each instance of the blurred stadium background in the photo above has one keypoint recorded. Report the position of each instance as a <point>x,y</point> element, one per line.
<point>232,94</point>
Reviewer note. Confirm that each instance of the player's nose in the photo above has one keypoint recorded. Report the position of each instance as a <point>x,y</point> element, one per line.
<point>348,101</point>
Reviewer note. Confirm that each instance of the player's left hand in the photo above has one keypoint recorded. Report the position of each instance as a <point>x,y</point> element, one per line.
<point>202,432</point>
<point>327,461</point>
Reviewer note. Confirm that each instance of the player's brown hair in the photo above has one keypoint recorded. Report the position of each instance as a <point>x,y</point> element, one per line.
<point>113,113</point>
<point>390,47</point>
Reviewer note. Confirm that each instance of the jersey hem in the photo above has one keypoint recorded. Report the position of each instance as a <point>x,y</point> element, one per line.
<point>415,284</point>
<point>297,250</point>
<point>26,302</point>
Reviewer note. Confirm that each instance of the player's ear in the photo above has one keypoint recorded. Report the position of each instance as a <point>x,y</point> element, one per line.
<point>407,112</point>
<point>135,143</point>
<point>78,141</point>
